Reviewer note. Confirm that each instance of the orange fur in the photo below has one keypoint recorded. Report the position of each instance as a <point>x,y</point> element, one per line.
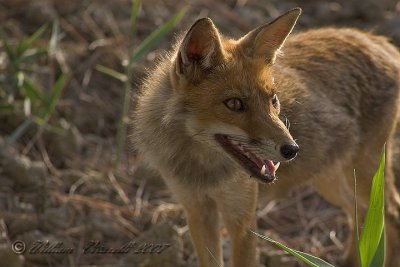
<point>208,119</point>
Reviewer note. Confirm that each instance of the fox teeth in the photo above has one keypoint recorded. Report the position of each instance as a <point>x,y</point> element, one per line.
<point>263,169</point>
<point>277,165</point>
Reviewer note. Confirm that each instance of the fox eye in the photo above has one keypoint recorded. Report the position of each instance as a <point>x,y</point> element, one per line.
<point>235,104</point>
<point>275,101</point>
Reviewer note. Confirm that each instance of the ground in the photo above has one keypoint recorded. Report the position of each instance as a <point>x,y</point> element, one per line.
<point>59,180</point>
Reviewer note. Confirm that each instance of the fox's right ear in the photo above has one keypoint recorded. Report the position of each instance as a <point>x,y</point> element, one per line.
<point>200,50</point>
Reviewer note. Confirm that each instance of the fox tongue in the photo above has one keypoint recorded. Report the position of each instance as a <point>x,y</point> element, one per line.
<point>266,166</point>
<point>259,162</point>
<point>271,166</point>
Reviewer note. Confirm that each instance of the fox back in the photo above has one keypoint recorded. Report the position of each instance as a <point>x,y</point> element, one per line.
<point>217,117</point>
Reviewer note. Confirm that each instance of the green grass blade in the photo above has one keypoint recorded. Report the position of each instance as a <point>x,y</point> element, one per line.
<point>55,94</point>
<point>304,257</point>
<point>134,13</point>
<point>20,79</point>
<point>5,108</point>
<point>28,42</point>
<point>33,54</point>
<point>155,36</point>
<point>379,257</point>
<point>374,219</point>
<point>31,91</point>
<point>55,37</point>
<point>21,129</point>
<point>9,51</point>
<point>356,228</point>
<point>27,107</point>
<point>113,73</point>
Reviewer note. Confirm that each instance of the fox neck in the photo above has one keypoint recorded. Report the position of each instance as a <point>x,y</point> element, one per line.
<point>161,136</point>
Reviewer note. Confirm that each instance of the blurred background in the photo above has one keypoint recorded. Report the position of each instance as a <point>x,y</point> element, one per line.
<point>69,71</point>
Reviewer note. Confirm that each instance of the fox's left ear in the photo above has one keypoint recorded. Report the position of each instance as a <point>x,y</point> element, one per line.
<point>200,50</point>
<point>265,41</point>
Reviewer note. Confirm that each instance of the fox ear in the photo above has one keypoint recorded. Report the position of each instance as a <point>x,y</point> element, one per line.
<point>265,41</point>
<point>200,50</point>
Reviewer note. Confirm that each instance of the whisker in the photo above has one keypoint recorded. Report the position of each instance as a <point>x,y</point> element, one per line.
<point>286,121</point>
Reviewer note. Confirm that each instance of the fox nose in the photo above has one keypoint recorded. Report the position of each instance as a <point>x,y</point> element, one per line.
<point>289,151</point>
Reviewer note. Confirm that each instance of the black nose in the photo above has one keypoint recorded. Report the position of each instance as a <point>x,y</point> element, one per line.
<point>289,151</point>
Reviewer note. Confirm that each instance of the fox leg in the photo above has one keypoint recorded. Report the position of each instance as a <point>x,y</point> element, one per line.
<point>332,186</point>
<point>392,202</point>
<point>238,210</point>
<point>244,243</point>
<point>203,220</point>
<point>337,188</point>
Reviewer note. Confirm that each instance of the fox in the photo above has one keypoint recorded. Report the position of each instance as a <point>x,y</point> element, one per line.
<point>231,124</point>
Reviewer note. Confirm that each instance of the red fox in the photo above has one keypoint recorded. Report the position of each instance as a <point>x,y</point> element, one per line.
<point>213,118</point>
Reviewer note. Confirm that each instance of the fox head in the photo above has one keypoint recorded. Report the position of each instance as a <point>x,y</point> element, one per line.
<point>228,88</point>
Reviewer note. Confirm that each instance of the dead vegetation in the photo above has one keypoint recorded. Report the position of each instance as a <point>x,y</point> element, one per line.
<point>57,180</point>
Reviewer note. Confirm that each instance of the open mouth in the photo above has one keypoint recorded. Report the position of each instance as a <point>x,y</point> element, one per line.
<point>262,169</point>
